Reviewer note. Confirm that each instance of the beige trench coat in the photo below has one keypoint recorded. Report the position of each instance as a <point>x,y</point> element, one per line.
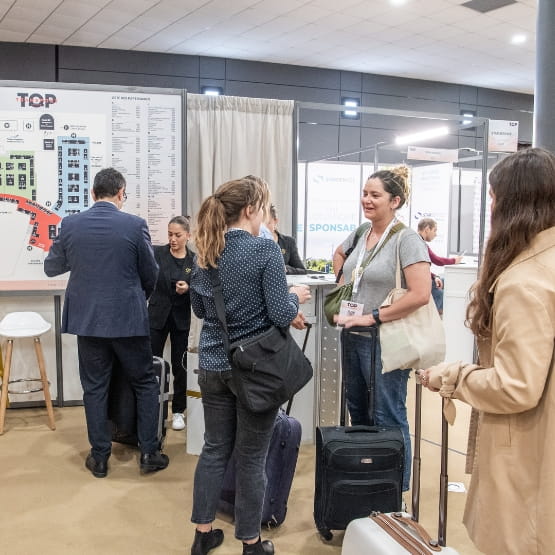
<point>510,509</point>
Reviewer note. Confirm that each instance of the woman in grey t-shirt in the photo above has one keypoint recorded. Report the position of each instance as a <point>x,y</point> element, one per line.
<point>384,192</point>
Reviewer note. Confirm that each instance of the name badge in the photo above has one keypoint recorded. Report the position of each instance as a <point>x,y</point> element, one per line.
<point>350,308</point>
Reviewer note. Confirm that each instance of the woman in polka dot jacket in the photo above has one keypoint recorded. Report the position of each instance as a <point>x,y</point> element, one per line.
<point>255,296</point>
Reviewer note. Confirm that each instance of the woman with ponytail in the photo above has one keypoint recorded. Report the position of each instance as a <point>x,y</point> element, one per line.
<point>256,297</point>
<point>509,508</point>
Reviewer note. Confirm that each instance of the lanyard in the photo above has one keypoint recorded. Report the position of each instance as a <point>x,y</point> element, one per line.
<point>360,265</point>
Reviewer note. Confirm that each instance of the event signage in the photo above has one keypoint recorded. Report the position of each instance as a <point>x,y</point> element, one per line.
<point>430,193</point>
<point>53,140</point>
<point>502,136</point>
<point>432,154</point>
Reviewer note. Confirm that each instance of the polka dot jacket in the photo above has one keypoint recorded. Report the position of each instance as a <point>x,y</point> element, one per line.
<point>255,295</point>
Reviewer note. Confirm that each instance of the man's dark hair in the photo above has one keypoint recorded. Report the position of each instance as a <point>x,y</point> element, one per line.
<point>107,183</point>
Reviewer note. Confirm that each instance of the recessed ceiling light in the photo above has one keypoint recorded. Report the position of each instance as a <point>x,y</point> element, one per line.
<point>518,39</point>
<point>398,2</point>
<point>422,136</point>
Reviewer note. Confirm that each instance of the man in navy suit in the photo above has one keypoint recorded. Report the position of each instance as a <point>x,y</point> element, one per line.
<point>113,272</point>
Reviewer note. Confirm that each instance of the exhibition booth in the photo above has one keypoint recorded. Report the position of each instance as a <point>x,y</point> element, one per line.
<point>164,141</point>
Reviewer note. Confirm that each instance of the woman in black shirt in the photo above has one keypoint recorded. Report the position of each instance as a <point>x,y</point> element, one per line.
<point>169,309</point>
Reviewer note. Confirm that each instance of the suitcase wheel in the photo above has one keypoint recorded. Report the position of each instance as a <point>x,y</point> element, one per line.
<point>325,533</point>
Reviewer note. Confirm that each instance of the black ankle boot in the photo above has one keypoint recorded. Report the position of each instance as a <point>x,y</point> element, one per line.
<point>265,547</point>
<point>205,541</point>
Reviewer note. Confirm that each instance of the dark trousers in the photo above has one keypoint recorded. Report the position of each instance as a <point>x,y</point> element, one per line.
<point>179,340</point>
<point>228,426</point>
<point>97,356</point>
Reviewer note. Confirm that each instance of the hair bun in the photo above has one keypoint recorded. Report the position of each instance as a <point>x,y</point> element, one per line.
<point>401,171</point>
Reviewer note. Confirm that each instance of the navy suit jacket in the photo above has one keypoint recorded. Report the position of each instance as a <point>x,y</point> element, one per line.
<point>113,272</point>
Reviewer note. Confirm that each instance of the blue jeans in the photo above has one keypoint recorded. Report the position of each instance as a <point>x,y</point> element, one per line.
<point>96,361</point>
<point>228,426</point>
<point>437,295</point>
<point>390,396</point>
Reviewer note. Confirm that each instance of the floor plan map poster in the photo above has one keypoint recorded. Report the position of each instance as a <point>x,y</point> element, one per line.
<point>53,141</point>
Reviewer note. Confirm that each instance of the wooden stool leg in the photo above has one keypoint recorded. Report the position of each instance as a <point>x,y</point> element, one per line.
<point>5,385</point>
<point>45,386</point>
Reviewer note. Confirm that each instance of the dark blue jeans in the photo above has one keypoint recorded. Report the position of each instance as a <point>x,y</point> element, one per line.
<point>228,426</point>
<point>390,396</point>
<point>96,360</point>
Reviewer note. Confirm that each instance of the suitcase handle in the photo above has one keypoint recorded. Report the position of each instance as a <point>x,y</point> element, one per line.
<point>362,428</point>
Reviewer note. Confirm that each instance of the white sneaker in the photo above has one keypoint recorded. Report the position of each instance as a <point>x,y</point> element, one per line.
<point>178,421</point>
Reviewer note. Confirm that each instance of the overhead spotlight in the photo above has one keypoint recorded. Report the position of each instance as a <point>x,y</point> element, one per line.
<point>398,2</point>
<point>212,91</point>
<point>519,38</point>
<point>468,116</point>
<point>422,136</point>
<point>350,103</point>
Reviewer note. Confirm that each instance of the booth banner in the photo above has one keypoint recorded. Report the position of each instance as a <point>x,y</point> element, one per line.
<point>430,194</point>
<point>332,208</point>
<point>502,136</point>
<point>53,141</point>
<point>432,154</point>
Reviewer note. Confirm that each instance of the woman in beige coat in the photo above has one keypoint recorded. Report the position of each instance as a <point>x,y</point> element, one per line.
<point>510,508</point>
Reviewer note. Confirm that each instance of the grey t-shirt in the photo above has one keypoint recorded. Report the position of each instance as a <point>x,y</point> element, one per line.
<point>379,276</point>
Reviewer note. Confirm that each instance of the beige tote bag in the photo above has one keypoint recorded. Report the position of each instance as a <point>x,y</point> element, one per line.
<point>415,341</point>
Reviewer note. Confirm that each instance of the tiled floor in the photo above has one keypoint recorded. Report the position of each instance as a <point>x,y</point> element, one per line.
<point>52,504</point>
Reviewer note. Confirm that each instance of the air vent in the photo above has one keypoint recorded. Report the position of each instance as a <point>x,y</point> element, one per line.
<point>485,6</point>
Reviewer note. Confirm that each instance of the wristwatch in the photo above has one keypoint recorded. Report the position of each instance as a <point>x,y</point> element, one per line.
<point>376,316</point>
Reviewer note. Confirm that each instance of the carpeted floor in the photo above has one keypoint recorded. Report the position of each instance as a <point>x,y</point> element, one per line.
<point>52,505</point>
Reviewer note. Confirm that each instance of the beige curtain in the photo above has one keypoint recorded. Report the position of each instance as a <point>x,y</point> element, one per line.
<point>229,137</point>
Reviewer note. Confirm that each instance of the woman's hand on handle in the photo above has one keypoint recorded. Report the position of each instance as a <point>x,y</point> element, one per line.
<point>299,321</point>
<point>428,380</point>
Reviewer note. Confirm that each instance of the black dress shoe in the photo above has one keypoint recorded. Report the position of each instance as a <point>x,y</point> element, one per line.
<point>205,541</point>
<point>152,462</point>
<point>99,469</point>
<point>265,547</point>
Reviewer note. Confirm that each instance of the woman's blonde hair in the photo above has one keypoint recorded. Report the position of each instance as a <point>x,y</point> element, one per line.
<point>395,182</point>
<point>223,209</point>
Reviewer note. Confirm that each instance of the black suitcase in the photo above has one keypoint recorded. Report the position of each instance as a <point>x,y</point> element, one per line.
<point>122,405</point>
<point>359,469</point>
<point>281,462</point>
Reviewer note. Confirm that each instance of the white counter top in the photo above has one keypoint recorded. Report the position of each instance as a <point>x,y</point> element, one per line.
<point>311,279</point>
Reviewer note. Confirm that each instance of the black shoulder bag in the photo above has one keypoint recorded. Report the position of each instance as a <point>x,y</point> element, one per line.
<point>267,369</point>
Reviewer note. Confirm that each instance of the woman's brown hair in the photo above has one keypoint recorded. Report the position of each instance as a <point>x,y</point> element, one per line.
<point>395,182</point>
<point>523,189</point>
<point>223,209</point>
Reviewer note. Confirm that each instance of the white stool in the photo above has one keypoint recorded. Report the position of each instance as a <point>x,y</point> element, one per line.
<point>24,324</point>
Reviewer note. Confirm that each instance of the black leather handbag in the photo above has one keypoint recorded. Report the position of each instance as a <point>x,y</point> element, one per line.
<point>267,369</point>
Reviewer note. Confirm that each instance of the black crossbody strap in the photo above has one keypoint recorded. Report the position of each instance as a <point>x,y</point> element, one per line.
<point>220,306</point>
